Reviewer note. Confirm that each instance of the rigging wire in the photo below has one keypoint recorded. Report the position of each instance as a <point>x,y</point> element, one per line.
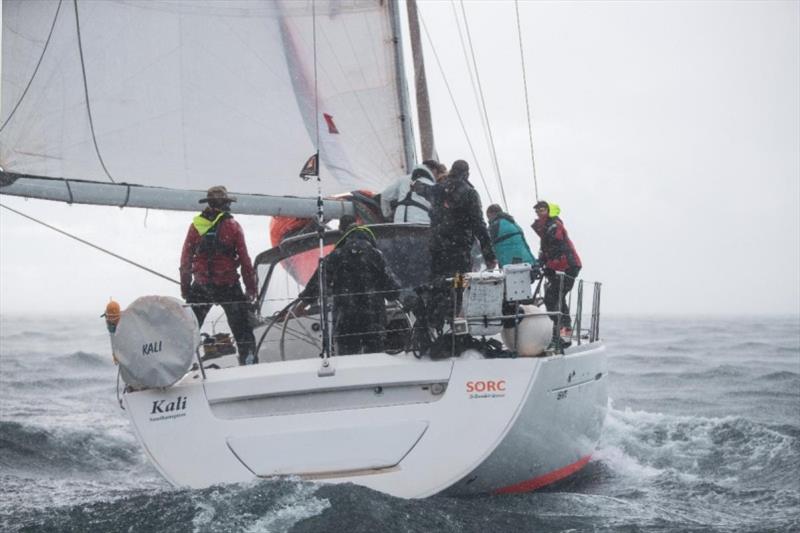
<point>96,247</point>
<point>35,70</point>
<point>527,103</point>
<point>483,106</point>
<point>455,107</point>
<point>86,93</point>
<point>323,317</point>
<point>469,68</point>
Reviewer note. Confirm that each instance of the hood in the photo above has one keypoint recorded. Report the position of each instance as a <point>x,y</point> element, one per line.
<point>421,172</point>
<point>358,233</point>
<point>553,209</point>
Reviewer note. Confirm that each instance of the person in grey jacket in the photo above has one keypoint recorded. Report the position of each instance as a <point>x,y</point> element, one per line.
<point>407,197</point>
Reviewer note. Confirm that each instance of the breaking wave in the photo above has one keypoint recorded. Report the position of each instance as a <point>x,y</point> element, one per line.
<point>28,448</point>
<point>265,506</point>
<point>712,470</point>
<point>730,448</point>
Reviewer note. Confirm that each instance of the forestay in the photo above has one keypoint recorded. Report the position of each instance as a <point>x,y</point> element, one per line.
<point>186,95</point>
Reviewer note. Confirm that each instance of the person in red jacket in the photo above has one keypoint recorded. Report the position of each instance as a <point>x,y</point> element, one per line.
<point>557,254</point>
<point>213,251</point>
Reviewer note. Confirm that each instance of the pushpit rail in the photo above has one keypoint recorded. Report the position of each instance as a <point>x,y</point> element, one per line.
<point>593,332</point>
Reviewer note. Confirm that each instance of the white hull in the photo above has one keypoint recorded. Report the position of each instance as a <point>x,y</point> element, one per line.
<point>397,424</point>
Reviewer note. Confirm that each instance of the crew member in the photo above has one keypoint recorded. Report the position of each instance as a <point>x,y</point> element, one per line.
<point>557,254</point>
<point>359,281</point>
<point>456,222</point>
<point>408,195</point>
<point>507,237</point>
<point>213,251</point>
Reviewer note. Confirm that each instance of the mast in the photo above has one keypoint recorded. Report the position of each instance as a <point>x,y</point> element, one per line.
<point>402,87</point>
<point>420,84</point>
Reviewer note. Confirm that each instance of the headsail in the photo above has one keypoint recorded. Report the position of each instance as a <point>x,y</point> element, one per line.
<point>185,95</point>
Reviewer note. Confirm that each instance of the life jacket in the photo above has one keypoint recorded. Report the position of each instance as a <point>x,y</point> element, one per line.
<point>412,197</point>
<point>509,242</point>
<point>515,230</point>
<point>209,244</point>
<point>559,253</point>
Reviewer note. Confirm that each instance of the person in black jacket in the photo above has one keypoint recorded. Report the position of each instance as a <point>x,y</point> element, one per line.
<point>359,281</point>
<point>456,222</point>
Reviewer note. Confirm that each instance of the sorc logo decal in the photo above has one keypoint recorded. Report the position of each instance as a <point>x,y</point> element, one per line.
<point>486,388</point>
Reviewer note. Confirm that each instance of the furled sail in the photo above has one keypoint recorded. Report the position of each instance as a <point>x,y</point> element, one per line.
<point>181,95</point>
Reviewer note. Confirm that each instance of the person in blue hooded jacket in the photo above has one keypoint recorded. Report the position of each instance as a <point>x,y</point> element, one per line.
<point>507,237</point>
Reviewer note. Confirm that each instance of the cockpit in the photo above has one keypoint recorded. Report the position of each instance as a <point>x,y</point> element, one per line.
<point>284,270</point>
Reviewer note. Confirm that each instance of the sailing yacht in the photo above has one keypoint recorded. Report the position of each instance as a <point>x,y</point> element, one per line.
<point>147,104</point>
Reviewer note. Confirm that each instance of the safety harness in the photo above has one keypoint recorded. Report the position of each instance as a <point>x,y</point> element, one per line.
<point>209,239</point>
<point>408,201</point>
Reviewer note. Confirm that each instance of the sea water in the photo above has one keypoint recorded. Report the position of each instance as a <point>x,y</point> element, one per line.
<point>702,434</point>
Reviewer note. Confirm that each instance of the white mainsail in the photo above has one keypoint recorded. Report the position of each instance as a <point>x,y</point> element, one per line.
<point>184,95</point>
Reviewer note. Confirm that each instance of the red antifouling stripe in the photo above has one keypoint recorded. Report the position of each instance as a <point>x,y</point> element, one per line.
<point>546,479</point>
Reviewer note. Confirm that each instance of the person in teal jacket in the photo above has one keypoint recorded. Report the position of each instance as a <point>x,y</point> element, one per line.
<point>507,238</point>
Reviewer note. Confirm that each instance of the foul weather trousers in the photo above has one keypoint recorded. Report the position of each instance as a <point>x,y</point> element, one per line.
<point>356,333</point>
<point>445,263</point>
<point>551,299</point>
<point>237,309</point>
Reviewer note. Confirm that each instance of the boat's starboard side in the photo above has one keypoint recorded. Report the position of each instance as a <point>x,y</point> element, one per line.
<point>556,430</point>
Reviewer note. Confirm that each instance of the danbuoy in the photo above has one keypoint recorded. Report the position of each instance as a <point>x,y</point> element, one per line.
<point>112,315</point>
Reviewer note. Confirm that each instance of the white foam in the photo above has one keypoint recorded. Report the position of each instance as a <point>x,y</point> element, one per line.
<point>622,463</point>
<point>645,444</point>
<point>205,516</point>
<point>298,505</point>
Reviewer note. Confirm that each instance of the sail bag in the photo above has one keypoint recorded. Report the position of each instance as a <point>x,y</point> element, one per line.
<point>155,341</point>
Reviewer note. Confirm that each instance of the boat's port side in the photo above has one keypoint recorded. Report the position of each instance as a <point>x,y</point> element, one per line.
<point>175,427</point>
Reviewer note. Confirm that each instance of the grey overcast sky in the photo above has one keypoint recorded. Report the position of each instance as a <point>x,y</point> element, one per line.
<point>669,133</point>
